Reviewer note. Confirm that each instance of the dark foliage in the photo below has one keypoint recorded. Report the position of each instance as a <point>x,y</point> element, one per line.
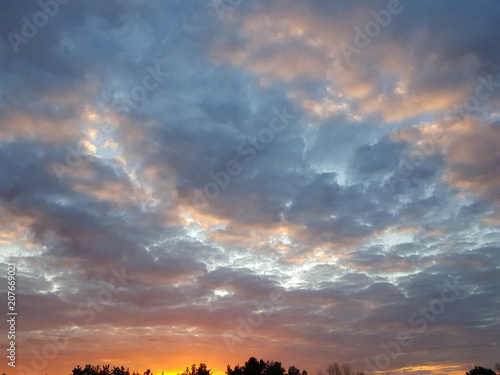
<point>251,367</point>
<point>105,370</point>
<point>478,370</point>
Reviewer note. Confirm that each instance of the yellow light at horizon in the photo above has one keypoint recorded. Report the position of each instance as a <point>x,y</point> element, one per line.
<point>164,372</point>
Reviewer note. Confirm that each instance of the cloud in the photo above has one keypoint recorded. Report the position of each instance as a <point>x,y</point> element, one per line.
<point>378,190</point>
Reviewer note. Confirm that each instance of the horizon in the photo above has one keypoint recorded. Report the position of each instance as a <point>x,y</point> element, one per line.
<point>326,370</point>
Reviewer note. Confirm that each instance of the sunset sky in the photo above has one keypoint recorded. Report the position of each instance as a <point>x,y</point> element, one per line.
<point>305,181</point>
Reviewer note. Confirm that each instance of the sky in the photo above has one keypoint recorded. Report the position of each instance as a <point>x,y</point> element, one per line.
<point>300,181</point>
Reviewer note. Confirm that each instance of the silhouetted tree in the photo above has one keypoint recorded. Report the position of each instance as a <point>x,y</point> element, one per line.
<point>251,367</point>
<point>259,367</point>
<point>120,371</point>
<point>274,368</point>
<point>497,367</point>
<point>478,370</point>
<point>238,370</point>
<point>97,370</point>
<point>254,367</point>
<point>203,370</point>
<point>334,369</point>
<point>346,368</point>
<point>189,371</point>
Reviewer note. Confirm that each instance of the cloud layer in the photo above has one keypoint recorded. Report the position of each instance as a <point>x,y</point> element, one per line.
<point>170,168</point>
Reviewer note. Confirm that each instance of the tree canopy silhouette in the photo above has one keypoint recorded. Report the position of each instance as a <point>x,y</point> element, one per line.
<point>256,367</point>
<point>202,369</point>
<point>251,367</point>
<point>478,370</point>
<point>104,370</point>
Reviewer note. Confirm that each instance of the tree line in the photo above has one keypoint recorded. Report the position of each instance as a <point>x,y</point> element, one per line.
<point>251,367</point>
